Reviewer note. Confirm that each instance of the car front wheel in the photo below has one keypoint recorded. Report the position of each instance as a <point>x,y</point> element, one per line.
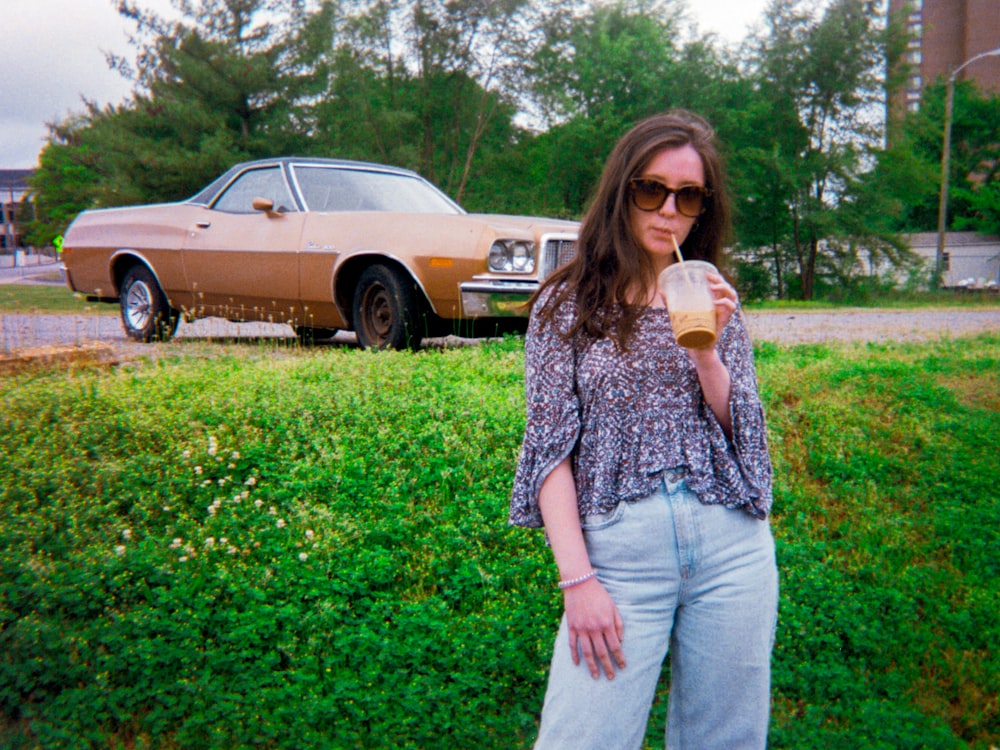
<point>146,312</point>
<point>385,311</point>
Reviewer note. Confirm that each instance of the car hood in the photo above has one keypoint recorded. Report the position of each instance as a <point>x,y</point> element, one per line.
<point>502,221</point>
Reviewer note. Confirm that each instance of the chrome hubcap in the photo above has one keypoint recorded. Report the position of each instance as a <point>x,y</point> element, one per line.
<point>138,305</point>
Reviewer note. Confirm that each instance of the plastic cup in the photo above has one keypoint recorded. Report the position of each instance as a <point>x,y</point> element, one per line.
<point>690,302</point>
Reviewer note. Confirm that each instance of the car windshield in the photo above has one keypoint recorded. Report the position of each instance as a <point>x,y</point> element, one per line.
<point>339,189</point>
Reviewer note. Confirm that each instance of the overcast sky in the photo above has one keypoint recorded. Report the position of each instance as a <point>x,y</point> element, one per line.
<point>52,56</point>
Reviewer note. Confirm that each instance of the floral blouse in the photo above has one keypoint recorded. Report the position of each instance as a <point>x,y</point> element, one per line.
<point>627,420</point>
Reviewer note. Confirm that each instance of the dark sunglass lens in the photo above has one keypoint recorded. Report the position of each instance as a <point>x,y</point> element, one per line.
<point>648,195</point>
<point>689,200</point>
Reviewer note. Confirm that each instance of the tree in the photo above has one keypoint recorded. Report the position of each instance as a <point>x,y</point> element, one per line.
<point>822,83</point>
<point>64,183</point>
<point>213,88</point>
<point>601,69</point>
<point>974,163</point>
<point>428,85</point>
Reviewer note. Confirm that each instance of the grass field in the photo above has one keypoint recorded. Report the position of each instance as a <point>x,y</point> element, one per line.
<point>288,548</point>
<point>46,298</point>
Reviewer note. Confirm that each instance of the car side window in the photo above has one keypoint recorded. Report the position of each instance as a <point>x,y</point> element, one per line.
<point>341,189</point>
<point>266,182</point>
<point>326,189</point>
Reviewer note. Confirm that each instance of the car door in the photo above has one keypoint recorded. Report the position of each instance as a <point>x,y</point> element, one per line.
<point>242,261</point>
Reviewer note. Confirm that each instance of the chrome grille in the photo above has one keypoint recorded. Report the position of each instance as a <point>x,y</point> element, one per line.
<point>558,252</point>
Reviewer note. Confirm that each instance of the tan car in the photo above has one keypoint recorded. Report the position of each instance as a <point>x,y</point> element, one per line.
<point>323,245</point>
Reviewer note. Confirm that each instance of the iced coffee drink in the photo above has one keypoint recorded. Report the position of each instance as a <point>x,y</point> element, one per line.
<point>690,302</point>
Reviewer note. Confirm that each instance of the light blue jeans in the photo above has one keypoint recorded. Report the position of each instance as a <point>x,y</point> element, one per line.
<point>697,580</point>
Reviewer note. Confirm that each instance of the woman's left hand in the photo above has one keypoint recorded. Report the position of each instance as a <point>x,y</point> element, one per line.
<point>725,300</point>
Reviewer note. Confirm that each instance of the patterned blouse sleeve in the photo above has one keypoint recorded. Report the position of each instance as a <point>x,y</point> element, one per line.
<point>749,442</point>
<point>553,410</point>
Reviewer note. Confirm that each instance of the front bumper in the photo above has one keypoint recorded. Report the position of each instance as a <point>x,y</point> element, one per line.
<point>496,298</point>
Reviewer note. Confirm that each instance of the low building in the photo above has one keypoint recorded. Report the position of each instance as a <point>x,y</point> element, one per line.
<point>14,190</point>
<point>970,260</point>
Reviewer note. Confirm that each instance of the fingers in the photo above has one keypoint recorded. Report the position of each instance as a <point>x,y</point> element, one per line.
<point>600,651</point>
<point>725,299</point>
<point>595,651</point>
<point>595,627</point>
<point>721,289</point>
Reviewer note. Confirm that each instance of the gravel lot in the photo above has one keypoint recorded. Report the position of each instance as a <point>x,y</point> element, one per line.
<point>24,331</point>
<point>864,325</point>
<point>871,325</point>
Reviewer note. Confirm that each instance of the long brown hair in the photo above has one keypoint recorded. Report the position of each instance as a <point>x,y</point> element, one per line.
<point>609,259</point>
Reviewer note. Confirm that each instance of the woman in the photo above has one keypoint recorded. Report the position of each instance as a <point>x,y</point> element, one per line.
<point>647,465</point>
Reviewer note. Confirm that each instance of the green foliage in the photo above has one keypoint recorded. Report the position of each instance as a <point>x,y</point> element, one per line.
<point>984,207</point>
<point>283,548</point>
<point>974,159</point>
<point>804,191</point>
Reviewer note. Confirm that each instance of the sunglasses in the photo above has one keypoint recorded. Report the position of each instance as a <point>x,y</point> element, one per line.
<point>650,195</point>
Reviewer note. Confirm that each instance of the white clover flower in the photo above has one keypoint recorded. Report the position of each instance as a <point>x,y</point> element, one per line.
<point>245,494</point>
<point>211,509</point>
<point>258,503</point>
<point>222,481</point>
<point>231,550</point>
<point>235,455</point>
<point>309,534</point>
<point>186,453</point>
<point>182,558</point>
<point>120,549</point>
<point>230,466</point>
<point>210,541</point>
<point>176,543</point>
<point>197,470</point>
<point>213,445</point>
<point>126,533</point>
<point>303,556</point>
<point>251,481</point>
<point>272,510</point>
<point>223,541</point>
<point>281,523</point>
<point>207,483</point>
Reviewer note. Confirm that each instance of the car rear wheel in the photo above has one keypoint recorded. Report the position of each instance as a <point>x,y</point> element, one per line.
<point>146,312</point>
<point>386,310</point>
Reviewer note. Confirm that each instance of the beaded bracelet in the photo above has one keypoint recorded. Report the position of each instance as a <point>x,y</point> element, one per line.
<point>575,581</point>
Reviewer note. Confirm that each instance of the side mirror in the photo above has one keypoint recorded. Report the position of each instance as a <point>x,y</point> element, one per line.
<point>266,205</point>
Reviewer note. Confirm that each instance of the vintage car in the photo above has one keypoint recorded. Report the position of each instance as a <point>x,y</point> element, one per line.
<point>321,244</point>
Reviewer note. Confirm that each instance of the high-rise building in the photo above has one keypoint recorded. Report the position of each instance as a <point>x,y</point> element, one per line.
<point>946,34</point>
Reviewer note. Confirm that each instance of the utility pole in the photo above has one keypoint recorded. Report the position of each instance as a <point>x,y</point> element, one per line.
<point>949,105</point>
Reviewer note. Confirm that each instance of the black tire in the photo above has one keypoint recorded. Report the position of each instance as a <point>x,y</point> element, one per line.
<point>309,336</point>
<point>386,310</point>
<point>146,312</point>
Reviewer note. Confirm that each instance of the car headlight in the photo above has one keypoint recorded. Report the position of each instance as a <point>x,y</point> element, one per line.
<point>512,256</point>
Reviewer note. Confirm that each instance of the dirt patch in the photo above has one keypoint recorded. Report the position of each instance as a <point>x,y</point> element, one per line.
<point>976,391</point>
<point>92,354</point>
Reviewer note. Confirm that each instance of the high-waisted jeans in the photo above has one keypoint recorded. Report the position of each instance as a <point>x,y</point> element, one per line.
<point>697,580</point>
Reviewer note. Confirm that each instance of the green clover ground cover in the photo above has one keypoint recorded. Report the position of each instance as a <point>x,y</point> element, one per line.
<point>308,549</point>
